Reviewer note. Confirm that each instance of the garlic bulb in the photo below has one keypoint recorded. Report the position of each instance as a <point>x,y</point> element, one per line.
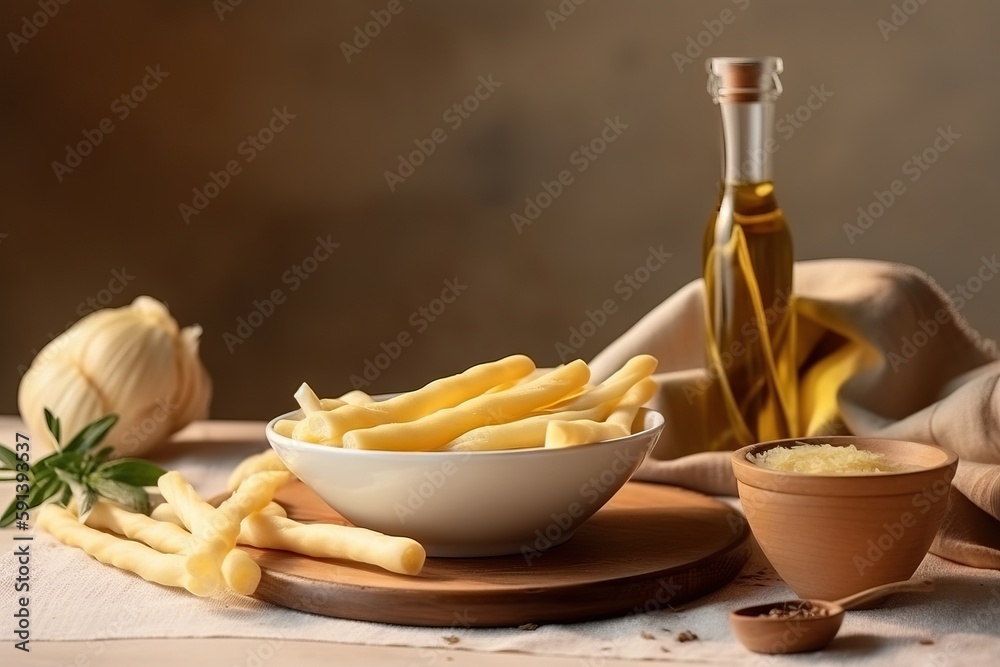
<point>133,361</point>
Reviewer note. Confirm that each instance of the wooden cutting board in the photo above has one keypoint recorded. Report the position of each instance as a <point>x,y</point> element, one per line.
<point>650,547</point>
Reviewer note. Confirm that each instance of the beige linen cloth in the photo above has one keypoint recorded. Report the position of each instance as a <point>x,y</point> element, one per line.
<point>882,351</point>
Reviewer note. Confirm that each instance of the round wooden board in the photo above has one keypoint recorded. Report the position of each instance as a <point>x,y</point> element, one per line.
<point>651,546</point>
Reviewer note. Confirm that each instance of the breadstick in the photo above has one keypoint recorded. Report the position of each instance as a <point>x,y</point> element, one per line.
<point>396,554</point>
<point>151,565</point>
<point>618,424</point>
<point>330,427</point>
<point>438,429</point>
<point>267,460</point>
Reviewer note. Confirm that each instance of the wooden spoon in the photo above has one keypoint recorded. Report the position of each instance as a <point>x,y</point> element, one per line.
<point>811,628</point>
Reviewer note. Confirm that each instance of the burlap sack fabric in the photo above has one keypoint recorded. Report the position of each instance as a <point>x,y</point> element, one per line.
<point>882,351</point>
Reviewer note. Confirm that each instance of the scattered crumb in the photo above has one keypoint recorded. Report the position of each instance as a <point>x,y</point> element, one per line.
<point>925,641</point>
<point>528,627</point>
<point>687,636</point>
<point>646,635</point>
<point>448,658</point>
<point>665,649</point>
<point>451,639</point>
<point>665,629</point>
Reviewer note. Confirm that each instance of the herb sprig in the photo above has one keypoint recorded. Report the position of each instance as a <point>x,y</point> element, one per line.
<point>79,470</point>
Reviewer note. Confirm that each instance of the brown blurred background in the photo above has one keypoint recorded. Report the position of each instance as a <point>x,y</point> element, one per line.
<point>323,174</point>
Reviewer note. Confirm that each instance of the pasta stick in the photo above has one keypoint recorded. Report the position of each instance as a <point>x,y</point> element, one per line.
<point>440,428</point>
<point>356,397</point>
<point>164,536</point>
<point>331,403</point>
<point>267,460</point>
<point>614,387</point>
<point>330,427</point>
<point>241,572</point>
<point>618,424</point>
<point>165,512</point>
<point>218,529</point>
<point>151,565</point>
<point>396,554</point>
<point>286,427</point>
<point>307,399</point>
<point>527,432</point>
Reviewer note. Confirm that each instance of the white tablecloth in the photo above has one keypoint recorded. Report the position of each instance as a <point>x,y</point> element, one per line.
<point>76,598</point>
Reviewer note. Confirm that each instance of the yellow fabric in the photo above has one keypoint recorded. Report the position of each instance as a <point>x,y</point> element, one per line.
<point>881,350</point>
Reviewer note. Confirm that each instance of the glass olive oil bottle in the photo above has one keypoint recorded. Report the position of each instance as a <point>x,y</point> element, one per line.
<point>747,259</point>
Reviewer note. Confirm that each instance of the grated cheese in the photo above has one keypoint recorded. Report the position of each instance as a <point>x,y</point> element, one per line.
<point>823,459</point>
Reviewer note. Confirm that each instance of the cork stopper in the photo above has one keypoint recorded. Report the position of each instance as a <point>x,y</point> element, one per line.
<point>744,79</point>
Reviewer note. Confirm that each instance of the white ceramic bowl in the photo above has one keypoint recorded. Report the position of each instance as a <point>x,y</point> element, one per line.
<point>463,504</point>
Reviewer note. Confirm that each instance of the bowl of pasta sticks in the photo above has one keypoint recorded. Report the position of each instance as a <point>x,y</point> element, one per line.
<point>503,458</point>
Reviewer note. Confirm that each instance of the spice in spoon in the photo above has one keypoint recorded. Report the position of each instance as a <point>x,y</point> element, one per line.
<point>797,610</point>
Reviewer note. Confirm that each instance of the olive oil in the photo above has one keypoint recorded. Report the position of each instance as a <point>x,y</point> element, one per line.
<point>747,255</point>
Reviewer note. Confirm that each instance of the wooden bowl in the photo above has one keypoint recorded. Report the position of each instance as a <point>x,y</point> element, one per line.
<point>829,536</point>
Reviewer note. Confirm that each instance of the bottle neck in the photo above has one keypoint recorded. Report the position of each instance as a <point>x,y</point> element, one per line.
<point>748,141</point>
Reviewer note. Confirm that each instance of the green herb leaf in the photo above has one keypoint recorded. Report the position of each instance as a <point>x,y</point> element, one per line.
<point>130,497</point>
<point>8,459</point>
<point>78,471</point>
<point>131,471</point>
<point>54,427</point>
<point>42,491</point>
<point>102,455</point>
<point>85,503</point>
<point>8,514</point>
<point>91,434</point>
